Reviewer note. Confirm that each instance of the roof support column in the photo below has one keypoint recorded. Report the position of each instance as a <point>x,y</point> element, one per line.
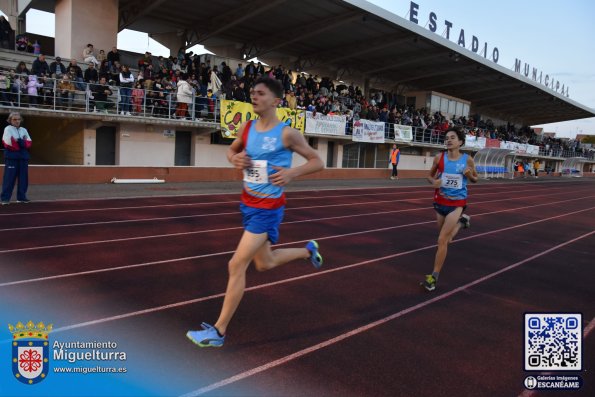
<point>366,87</point>
<point>81,22</point>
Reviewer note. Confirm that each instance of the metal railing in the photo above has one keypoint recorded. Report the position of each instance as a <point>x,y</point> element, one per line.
<point>78,96</point>
<point>47,93</point>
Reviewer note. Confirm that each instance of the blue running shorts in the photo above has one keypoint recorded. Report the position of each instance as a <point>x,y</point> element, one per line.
<point>444,210</point>
<point>260,220</point>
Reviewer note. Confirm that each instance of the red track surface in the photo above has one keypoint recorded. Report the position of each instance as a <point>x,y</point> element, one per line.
<point>144,271</point>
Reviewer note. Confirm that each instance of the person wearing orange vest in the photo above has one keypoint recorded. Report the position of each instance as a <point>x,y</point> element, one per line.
<point>395,154</point>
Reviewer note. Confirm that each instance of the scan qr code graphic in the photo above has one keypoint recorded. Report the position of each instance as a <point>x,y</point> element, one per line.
<point>553,341</point>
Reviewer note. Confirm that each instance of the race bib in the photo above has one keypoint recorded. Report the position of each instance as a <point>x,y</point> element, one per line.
<point>452,181</point>
<point>257,173</point>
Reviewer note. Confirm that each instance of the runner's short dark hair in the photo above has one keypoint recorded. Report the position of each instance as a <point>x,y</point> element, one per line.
<point>460,133</point>
<point>272,84</point>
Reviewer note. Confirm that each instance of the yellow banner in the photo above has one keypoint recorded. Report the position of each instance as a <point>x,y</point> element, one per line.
<point>234,113</point>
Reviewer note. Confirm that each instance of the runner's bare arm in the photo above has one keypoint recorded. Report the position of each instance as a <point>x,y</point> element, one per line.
<point>470,172</point>
<point>294,140</point>
<point>434,171</point>
<point>236,154</point>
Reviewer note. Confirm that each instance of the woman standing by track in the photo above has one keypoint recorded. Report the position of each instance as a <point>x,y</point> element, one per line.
<point>449,175</point>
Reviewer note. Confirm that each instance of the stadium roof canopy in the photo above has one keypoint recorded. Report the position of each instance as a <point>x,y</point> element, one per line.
<point>354,38</point>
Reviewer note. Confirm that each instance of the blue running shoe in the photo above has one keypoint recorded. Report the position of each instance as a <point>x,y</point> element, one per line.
<point>207,337</point>
<point>315,256</point>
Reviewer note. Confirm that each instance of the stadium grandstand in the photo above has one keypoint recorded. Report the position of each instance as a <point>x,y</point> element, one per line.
<point>85,118</point>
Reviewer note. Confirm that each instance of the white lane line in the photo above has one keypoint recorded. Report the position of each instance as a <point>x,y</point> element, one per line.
<point>306,276</point>
<point>292,222</point>
<point>165,218</point>
<point>240,227</point>
<point>394,190</point>
<point>367,327</point>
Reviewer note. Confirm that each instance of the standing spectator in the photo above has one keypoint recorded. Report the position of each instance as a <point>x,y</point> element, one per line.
<point>238,93</point>
<point>184,96</point>
<point>215,82</point>
<point>32,86</point>
<point>126,83</point>
<point>137,98</point>
<point>40,67</point>
<point>89,55</point>
<point>17,142</point>
<point>113,56</point>
<point>225,73</point>
<point>148,76</point>
<point>536,167</point>
<point>395,156</point>
<point>145,61</point>
<point>6,33</point>
<point>239,71</point>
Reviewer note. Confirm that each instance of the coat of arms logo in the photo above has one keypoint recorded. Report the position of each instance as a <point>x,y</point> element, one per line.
<point>30,351</point>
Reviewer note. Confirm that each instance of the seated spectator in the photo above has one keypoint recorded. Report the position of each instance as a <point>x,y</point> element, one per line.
<point>101,57</point>
<point>76,74</point>
<point>65,92</point>
<point>101,91</point>
<point>40,67</point>
<point>21,69</point>
<point>58,68</point>
<point>89,55</point>
<point>114,71</point>
<point>104,69</point>
<point>91,75</point>
<point>47,90</point>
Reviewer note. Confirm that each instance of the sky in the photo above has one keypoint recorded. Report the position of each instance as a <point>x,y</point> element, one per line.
<point>554,36</point>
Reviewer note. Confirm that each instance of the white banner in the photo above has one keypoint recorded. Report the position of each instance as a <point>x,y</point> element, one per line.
<point>533,150</point>
<point>318,123</point>
<point>368,131</point>
<point>403,132</point>
<point>475,141</point>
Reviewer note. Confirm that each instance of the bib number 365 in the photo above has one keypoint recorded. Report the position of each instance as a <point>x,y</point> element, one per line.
<point>257,173</point>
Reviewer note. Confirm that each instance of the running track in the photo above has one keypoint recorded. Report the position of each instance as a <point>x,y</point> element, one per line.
<point>143,271</point>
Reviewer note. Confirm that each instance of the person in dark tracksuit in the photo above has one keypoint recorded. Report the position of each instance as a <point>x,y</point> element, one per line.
<point>16,142</point>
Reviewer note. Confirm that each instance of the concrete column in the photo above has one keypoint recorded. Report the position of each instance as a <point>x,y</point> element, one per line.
<point>171,40</point>
<point>81,22</point>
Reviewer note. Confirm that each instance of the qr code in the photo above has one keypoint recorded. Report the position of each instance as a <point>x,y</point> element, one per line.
<point>553,341</point>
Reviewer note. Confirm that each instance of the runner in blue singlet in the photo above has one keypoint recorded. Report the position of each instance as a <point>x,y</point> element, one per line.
<point>263,152</point>
<point>449,175</point>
